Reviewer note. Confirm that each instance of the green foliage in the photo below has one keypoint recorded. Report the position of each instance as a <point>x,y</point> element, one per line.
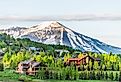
<point>116,77</point>
<point>18,52</point>
<point>41,74</point>
<point>106,76</point>
<point>111,76</point>
<point>120,76</point>
<point>1,67</point>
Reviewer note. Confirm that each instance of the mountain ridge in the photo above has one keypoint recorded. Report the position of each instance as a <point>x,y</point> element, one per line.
<point>55,33</point>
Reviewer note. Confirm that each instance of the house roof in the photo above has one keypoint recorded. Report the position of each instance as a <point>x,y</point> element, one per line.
<point>59,50</point>
<point>30,62</point>
<point>26,62</point>
<point>74,59</point>
<point>35,64</point>
<point>97,59</point>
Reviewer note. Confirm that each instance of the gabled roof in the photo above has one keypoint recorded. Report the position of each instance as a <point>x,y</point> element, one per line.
<point>26,62</point>
<point>30,62</point>
<point>74,59</point>
<point>35,64</point>
<point>97,59</point>
<point>61,50</point>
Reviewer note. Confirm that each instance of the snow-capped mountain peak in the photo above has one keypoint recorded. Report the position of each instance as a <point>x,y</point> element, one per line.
<point>55,33</point>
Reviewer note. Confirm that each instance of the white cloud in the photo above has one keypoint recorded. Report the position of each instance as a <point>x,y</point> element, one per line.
<point>78,17</point>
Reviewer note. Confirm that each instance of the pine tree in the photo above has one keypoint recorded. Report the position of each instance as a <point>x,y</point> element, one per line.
<point>6,60</point>
<point>64,72</point>
<point>77,74</point>
<point>93,75</point>
<point>90,75</point>
<point>1,67</point>
<point>85,75</point>
<point>90,65</point>
<point>111,76</point>
<point>120,76</point>
<point>108,65</point>
<point>117,77</point>
<point>81,75</point>
<point>106,75</point>
<point>96,66</point>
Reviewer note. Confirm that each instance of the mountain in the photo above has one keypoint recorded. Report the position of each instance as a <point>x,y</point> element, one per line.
<point>56,33</point>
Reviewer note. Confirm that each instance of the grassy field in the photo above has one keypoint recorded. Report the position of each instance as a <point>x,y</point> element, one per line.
<point>10,76</point>
<point>7,80</point>
<point>71,81</point>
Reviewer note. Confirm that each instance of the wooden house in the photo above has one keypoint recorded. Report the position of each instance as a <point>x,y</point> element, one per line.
<point>23,66</point>
<point>29,67</point>
<point>33,69</point>
<point>82,61</point>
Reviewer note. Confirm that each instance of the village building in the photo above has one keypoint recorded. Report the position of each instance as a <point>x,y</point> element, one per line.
<point>29,67</point>
<point>23,66</point>
<point>84,60</point>
<point>33,69</point>
<point>59,51</point>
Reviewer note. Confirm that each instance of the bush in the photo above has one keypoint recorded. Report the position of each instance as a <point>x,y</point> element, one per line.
<point>41,74</point>
<point>24,79</point>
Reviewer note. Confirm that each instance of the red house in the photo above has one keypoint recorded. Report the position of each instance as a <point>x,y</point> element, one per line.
<point>82,61</point>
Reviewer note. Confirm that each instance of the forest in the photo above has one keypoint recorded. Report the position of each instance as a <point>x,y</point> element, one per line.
<point>15,51</point>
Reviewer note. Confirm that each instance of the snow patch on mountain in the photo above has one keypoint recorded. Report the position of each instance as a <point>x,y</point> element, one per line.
<point>55,33</point>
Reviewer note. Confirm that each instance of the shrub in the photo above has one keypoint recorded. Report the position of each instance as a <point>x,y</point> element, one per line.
<point>24,78</point>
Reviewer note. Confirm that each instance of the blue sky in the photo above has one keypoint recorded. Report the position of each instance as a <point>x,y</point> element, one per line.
<point>100,19</point>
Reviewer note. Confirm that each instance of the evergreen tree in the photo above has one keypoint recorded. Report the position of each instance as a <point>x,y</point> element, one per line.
<point>120,76</point>
<point>111,76</point>
<point>116,77</point>
<point>76,74</point>
<point>106,75</point>
<point>6,60</point>
<point>90,65</point>
<point>1,67</point>
<point>96,66</point>
<point>93,75</point>
<point>63,74</point>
